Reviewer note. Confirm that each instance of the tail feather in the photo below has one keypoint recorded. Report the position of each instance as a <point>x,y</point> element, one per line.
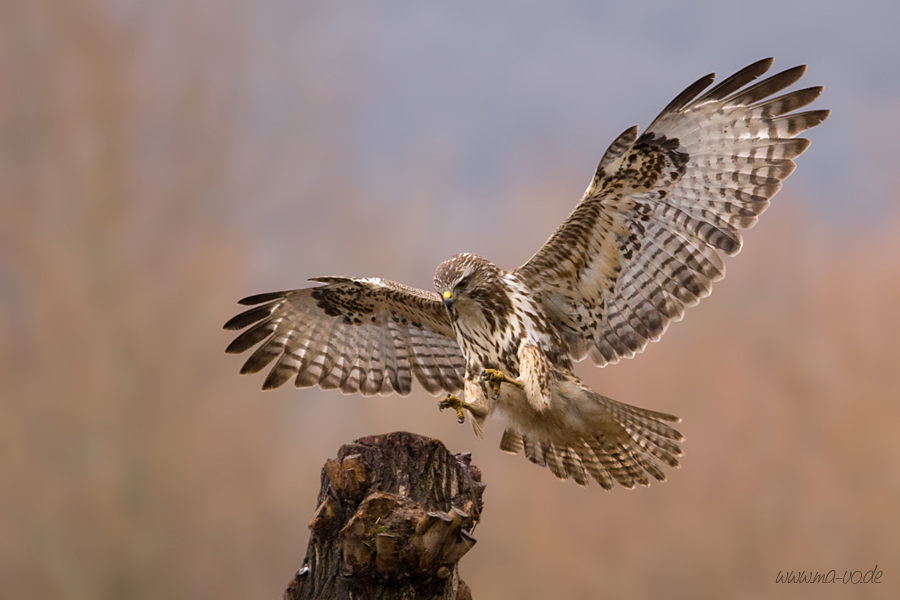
<point>622,446</point>
<point>511,441</point>
<point>574,466</point>
<point>593,466</point>
<point>555,462</point>
<point>623,470</point>
<point>651,467</point>
<point>534,452</point>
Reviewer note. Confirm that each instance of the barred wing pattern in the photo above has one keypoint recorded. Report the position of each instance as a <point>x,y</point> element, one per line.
<point>645,240</point>
<point>358,335</point>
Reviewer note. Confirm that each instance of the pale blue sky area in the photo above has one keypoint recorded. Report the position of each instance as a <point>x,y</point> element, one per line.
<point>490,91</point>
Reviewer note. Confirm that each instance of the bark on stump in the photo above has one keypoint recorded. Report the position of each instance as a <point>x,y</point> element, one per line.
<point>395,514</point>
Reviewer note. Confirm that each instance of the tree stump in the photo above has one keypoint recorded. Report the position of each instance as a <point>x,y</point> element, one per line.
<point>395,514</point>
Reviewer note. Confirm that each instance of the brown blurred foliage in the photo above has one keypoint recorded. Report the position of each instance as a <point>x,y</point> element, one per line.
<point>135,463</point>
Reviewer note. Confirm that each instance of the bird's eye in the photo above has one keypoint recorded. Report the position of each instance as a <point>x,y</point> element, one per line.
<point>462,284</point>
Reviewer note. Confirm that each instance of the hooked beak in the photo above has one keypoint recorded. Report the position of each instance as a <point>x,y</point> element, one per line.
<point>448,298</point>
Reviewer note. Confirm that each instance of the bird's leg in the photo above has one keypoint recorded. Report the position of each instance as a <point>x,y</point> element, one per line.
<point>495,378</point>
<point>451,401</point>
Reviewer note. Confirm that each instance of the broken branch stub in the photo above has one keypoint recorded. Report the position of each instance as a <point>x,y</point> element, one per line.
<point>395,514</point>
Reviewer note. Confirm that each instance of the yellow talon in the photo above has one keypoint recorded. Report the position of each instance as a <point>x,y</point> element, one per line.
<point>495,378</point>
<point>451,401</point>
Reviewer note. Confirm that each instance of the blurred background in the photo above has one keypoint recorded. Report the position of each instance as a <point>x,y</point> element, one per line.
<point>161,159</point>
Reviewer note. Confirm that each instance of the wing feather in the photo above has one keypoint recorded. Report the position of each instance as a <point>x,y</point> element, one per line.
<point>648,236</point>
<point>358,335</point>
<point>735,82</point>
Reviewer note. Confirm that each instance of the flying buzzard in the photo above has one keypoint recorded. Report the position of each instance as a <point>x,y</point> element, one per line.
<point>645,241</point>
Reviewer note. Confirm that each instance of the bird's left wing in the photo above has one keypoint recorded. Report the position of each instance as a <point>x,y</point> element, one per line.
<point>358,335</point>
<point>645,240</point>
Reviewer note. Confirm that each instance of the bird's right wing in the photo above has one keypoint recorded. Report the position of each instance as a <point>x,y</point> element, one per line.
<point>645,240</point>
<point>358,335</point>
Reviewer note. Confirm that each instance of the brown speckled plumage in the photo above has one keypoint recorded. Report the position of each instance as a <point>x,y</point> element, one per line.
<point>645,242</point>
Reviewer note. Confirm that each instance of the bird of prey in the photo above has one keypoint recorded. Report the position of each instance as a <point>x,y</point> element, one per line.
<point>645,241</point>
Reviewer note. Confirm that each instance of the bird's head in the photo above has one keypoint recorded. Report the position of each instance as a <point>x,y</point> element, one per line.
<point>464,278</point>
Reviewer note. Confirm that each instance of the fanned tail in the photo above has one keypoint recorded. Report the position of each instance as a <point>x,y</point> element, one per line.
<point>625,447</point>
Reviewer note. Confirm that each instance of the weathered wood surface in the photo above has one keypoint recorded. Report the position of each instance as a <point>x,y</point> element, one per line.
<point>395,514</point>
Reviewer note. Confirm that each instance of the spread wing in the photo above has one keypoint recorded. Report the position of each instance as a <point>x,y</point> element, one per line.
<point>358,335</point>
<point>647,238</point>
